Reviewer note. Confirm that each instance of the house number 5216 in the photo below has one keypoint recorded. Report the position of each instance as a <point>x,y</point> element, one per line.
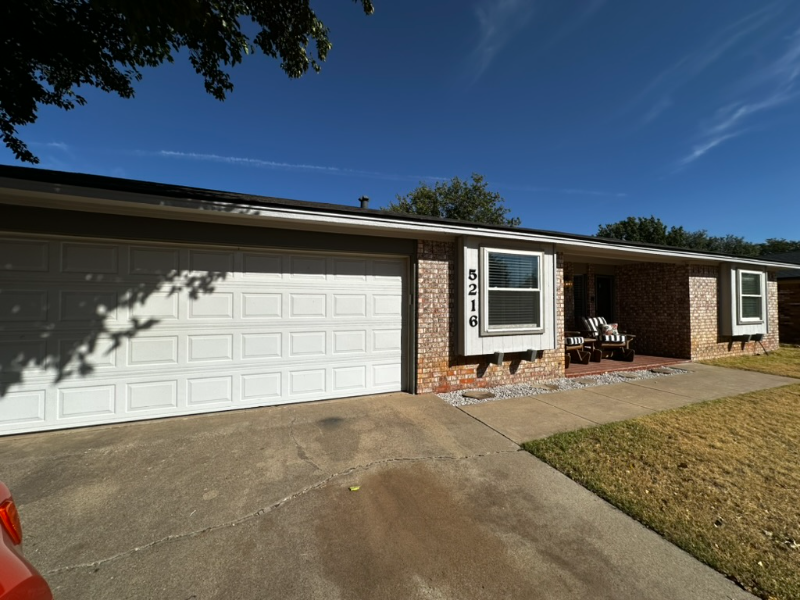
<point>472,299</point>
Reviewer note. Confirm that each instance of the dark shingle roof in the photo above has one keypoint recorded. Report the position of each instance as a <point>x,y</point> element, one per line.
<point>101,182</point>
<point>792,257</point>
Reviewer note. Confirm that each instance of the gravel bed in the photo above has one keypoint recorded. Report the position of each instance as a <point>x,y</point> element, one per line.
<point>555,385</point>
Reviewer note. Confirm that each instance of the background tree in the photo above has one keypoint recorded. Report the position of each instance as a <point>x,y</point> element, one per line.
<point>456,199</point>
<point>779,246</point>
<point>636,229</point>
<point>49,48</point>
<point>652,230</point>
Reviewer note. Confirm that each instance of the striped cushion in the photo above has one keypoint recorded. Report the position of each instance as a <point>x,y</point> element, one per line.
<point>573,341</point>
<point>593,324</point>
<point>614,338</point>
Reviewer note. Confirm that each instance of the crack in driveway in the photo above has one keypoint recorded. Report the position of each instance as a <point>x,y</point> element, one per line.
<point>268,509</point>
<point>301,453</point>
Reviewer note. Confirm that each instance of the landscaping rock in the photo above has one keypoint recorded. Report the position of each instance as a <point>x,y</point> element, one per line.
<point>478,394</point>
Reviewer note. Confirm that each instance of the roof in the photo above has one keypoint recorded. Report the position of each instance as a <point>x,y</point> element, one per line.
<point>789,257</point>
<point>196,197</point>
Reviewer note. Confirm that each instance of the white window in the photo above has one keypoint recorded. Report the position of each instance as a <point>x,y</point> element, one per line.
<point>751,297</point>
<point>511,291</point>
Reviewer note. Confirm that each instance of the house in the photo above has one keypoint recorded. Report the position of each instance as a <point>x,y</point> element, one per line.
<point>123,300</point>
<point>788,297</point>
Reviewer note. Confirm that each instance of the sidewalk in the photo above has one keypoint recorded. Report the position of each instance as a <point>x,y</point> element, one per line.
<point>532,417</point>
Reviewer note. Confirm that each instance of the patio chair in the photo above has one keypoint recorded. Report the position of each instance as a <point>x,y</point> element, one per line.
<point>575,348</point>
<point>608,345</point>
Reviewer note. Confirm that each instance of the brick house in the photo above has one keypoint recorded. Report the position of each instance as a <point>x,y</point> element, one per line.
<point>125,300</point>
<point>788,297</point>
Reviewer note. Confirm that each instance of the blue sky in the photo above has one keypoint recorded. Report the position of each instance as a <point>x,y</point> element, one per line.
<point>578,113</point>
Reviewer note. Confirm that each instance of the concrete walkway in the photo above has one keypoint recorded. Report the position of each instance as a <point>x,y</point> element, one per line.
<point>528,418</point>
<point>256,504</point>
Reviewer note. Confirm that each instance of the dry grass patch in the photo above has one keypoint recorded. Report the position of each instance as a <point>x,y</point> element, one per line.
<point>785,361</point>
<point>719,479</point>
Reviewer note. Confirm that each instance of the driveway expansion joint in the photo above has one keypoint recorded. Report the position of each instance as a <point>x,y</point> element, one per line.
<point>301,453</point>
<point>268,509</point>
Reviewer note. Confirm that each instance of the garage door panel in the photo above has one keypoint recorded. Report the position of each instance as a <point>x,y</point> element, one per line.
<point>89,259</point>
<point>152,396</point>
<point>153,350</point>
<point>20,355</point>
<point>157,305</point>
<point>349,342</point>
<point>389,374</point>
<point>87,400</point>
<point>209,390</point>
<point>204,348</point>
<point>23,306</point>
<point>349,306</point>
<point>387,340</point>
<point>349,378</point>
<point>388,271</point>
<point>307,381</point>
<point>262,306</point>
<point>385,305</point>
<point>307,343</point>
<point>88,305</point>
<point>164,262</point>
<point>261,387</point>
<point>348,269</point>
<point>24,256</point>
<point>268,267</point>
<point>135,332</point>
<point>204,262</point>
<point>215,305</point>
<point>308,267</point>
<point>268,345</point>
<point>305,306</point>
<point>23,408</point>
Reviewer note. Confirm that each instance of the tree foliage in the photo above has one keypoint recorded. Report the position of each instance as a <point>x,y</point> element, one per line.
<point>653,231</point>
<point>465,200</point>
<point>51,48</point>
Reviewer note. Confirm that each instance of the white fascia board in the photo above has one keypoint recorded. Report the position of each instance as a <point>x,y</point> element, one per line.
<point>46,195</point>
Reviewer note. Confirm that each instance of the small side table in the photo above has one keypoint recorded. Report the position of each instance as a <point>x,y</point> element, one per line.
<point>596,353</point>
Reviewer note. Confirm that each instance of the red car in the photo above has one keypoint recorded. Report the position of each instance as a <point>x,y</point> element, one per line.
<point>18,579</point>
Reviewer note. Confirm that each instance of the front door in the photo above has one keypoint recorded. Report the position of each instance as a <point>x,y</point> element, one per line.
<point>604,293</point>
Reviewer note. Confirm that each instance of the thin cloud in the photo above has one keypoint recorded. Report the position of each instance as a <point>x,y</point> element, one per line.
<point>774,86</point>
<point>498,23</point>
<point>656,110</point>
<point>701,149</point>
<point>573,24</point>
<point>664,86</point>
<point>57,145</point>
<point>270,164</point>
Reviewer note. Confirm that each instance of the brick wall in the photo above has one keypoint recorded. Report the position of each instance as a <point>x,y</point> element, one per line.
<point>653,300</point>
<point>789,310</point>
<point>569,297</point>
<point>439,367</point>
<point>706,343</point>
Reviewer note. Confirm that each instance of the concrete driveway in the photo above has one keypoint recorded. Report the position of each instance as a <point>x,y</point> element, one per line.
<point>255,504</point>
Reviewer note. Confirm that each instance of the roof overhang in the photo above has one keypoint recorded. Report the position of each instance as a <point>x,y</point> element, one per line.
<point>27,192</point>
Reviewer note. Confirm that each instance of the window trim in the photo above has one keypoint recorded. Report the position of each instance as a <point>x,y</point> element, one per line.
<point>485,330</point>
<point>739,295</point>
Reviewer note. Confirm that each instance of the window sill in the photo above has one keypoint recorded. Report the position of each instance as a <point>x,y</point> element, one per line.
<point>507,332</point>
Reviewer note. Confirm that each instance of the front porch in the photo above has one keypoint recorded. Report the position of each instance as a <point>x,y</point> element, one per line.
<point>640,362</point>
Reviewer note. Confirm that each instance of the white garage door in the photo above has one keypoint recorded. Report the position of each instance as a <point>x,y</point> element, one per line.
<point>100,332</point>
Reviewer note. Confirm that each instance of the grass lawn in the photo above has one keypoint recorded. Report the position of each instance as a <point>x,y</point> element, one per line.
<point>785,361</point>
<point>719,479</point>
